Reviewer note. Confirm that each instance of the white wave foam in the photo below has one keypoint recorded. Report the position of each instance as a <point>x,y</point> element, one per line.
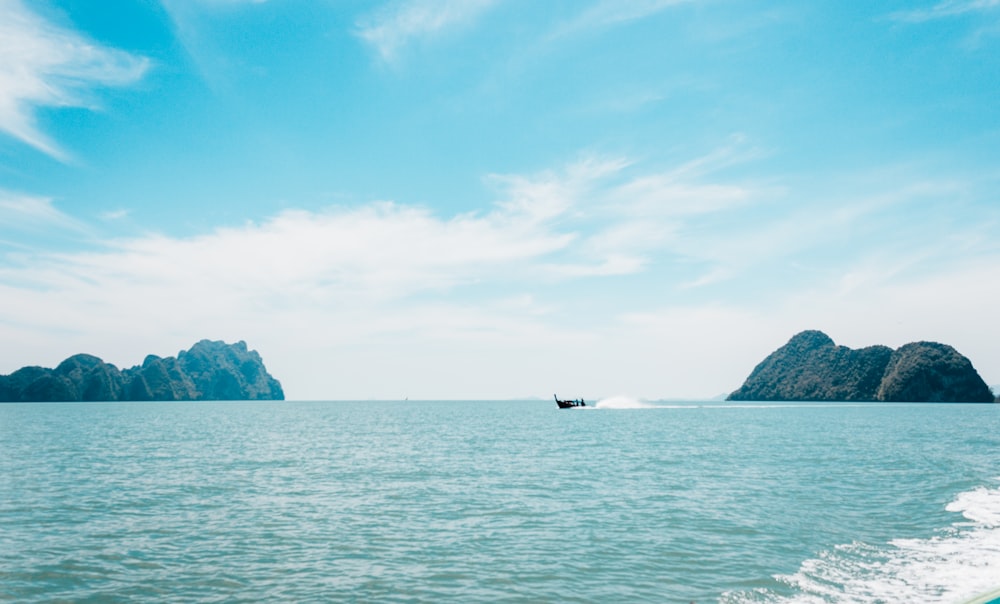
<point>957,565</point>
<point>622,402</point>
<point>980,505</point>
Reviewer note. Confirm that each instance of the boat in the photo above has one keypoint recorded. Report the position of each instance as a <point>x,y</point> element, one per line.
<point>992,597</point>
<point>569,404</point>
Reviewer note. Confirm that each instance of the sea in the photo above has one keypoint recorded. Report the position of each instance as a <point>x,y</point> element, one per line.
<point>499,501</point>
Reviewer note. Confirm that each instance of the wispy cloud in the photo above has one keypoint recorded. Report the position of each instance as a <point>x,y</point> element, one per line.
<point>44,65</point>
<point>396,25</point>
<point>225,2</point>
<point>114,215</point>
<point>553,193</point>
<point>172,6</point>
<point>947,8</point>
<point>619,216</point>
<point>377,252</point>
<point>29,213</point>
<point>608,13</point>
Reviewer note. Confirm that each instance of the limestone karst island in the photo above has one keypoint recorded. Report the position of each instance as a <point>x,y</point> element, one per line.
<point>810,367</point>
<point>208,371</point>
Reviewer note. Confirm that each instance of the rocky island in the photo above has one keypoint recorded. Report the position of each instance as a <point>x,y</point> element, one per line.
<point>210,370</point>
<point>810,367</point>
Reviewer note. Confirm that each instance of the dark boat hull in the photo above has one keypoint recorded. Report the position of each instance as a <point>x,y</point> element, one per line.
<point>570,404</point>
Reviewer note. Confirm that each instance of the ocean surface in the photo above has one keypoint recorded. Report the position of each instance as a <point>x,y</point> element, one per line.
<point>498,501</point>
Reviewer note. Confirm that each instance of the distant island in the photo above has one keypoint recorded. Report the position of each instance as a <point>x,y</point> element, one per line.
<point>810,367</point>
<point>210,370</point>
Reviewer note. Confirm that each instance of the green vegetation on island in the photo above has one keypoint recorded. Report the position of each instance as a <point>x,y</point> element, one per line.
<point>810,367</point>
<point>208,371</point>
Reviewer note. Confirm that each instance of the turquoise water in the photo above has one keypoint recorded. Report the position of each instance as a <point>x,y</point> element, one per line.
<point>506,501</point>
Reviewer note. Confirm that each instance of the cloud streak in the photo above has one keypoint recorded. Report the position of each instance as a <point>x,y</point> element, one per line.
<point>44,65</point>
<point>946,9</point>
<point>27,213</point>
<point>609,13</point>
<point>397,25</point>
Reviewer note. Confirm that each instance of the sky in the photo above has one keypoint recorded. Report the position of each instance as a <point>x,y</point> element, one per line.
<point>486,199</point>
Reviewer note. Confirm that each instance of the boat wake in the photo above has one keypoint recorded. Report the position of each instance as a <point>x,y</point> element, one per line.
<point>622,402</point>
<point>955,566</point>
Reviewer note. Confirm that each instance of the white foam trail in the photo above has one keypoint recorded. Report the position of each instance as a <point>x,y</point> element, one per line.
<point>957,565</point>
<point>622,402</point>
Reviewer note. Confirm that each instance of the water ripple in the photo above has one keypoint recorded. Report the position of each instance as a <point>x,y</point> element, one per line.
<point>467,502</point>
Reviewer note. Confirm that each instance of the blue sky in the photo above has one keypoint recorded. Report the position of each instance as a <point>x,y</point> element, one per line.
<point>497,198</point>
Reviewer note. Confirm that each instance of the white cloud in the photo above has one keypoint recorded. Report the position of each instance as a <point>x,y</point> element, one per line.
<point>42,64</point>
<point>396,25</point>
<point>297,261</point>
